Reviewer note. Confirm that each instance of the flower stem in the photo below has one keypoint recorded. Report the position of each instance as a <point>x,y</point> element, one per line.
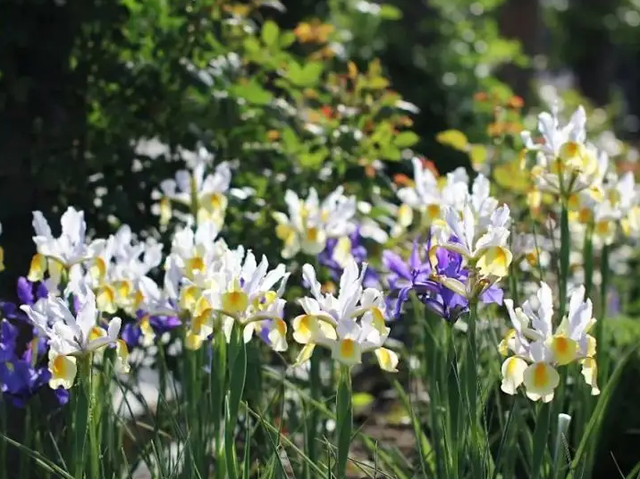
<point>218,377</point>
<point>587,257</point>
<point>82,416</point>
<point>344,423</point>
<point>26,442</point>
<point>313,417</point>
<point>565,247</point>
<point>237,364</point>
<point>599,326</point>
<point>471,386</point>
<point>94,423</point>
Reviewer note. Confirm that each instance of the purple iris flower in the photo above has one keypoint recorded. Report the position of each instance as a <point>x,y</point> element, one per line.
<point>132,334</point>
<point>21,374</point>
<point>359,253</point>
<point>415,275</point>
<point>28,293</point>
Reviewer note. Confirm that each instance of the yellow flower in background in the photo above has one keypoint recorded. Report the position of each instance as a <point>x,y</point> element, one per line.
<point>428,194</point>
<point>310,222</point>
<point>513,177</point>
<point>202,195</point>
<point>313,32</point>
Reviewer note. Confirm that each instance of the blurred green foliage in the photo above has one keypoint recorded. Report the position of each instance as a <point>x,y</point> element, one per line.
<point>83,82</point>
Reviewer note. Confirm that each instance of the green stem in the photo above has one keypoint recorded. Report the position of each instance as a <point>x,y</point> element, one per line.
<point>81,417</point>
<point>94,424</point>
<point>587,257</point>
<point>237,376</point>
<point>584,405</point>
<point>344,421</point>
<point>193,461</point>
<point>565,248</point>
<point>218,379</point>
<point>26,441</point>
<point>313,416</point>
<point>471,386</point>
<point>540,438</point>
<point>599,327</point>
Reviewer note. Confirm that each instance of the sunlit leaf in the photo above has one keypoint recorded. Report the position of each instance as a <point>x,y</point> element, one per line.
<point>406,139</point>
<point>478,155</point>
<point>511,177</point>
<point>389,12</point>
<point>305,76</point>
<point>287,39</point>
<point>270,33</point>
<point>361,400</point>
<point>252,45</point>
<point>453,138</point>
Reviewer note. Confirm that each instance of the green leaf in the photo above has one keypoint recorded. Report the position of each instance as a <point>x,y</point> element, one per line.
<point>377,83</point>
<point>290,140</point>
<point>287,39</point>
<point>453,138</point>
<point>270,33</point>
<point>389,12</point>
<point>594,426</point>
<point>304,76</point>
<point>253,93</point>
<point>478,155</point>
<point>540,439</point>
<point>390,152</point>
<point>252,45</point>
<point>362,400</point>
<point>406,139</point>
<point>313,160</point>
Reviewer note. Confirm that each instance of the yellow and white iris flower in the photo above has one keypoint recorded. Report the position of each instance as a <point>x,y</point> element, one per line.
<point>197,250</point>
<point>348,325</point>
<point>241,293</point>
<point>114,273</point>
<point>210,192</point>
<point>309,223</point>
<point>538,350</point>
<point>71,337</point>
<point>484,248</point>
<point>565,162</point>
<point>55,255</point>
<point>428,194</point>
